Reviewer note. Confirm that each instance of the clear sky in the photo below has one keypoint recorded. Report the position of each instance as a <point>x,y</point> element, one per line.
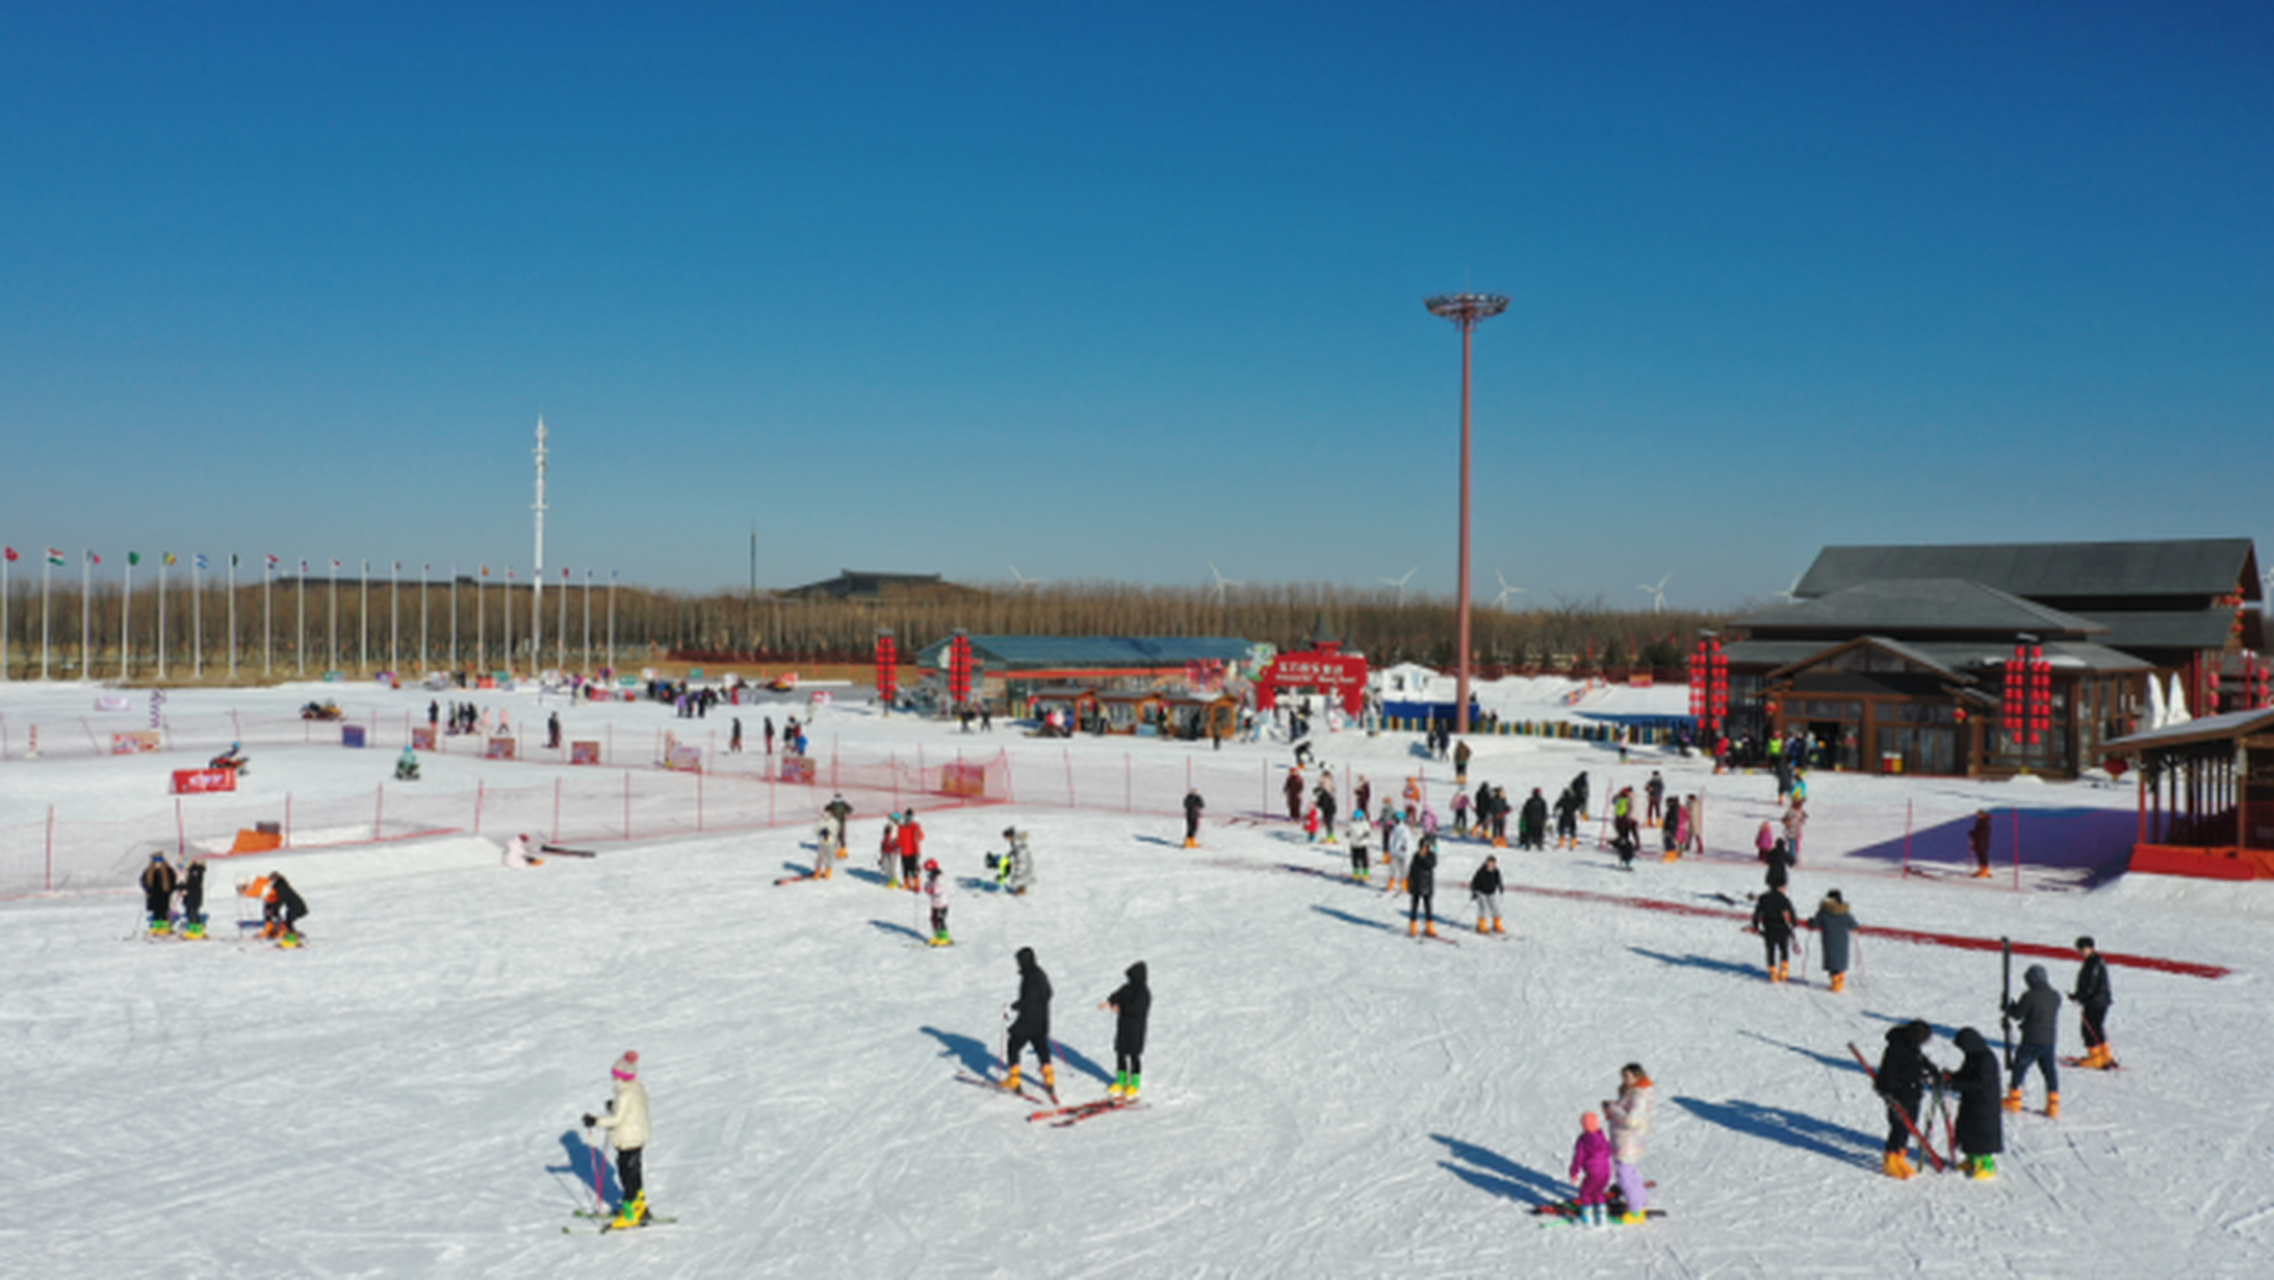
<point>1115,291</point>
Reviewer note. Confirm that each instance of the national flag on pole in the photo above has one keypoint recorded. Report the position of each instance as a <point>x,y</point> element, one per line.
<point>335,564</point>
<point>564,575</point>
<point>485,571</point>
<point>303,567</point>
<point>398,566</point>
<point>92,558</point>
<point>133,557</point>
<point>202,566</point>
<point>272,562</point>
<point>509,573</point>
<point>169,558</point>
<point>11,555</point>
<point>55,557</point>
<point>233,560</point>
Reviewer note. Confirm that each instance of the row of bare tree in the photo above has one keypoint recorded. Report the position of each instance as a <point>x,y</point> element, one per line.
<point>298,627</point>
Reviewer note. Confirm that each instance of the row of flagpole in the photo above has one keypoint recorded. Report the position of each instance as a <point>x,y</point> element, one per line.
<point>56,559</point>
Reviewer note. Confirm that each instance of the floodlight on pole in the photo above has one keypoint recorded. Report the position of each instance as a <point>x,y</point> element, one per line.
<point>1465,310</point>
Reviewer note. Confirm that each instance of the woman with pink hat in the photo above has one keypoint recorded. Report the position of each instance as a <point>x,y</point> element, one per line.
<point>627,1126</point>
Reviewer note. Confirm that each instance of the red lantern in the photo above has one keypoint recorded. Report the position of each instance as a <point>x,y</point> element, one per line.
<point>959,669</point>
<point>887,667</point>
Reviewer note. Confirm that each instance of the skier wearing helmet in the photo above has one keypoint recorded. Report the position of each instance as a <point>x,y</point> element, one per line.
<point>936,888</point>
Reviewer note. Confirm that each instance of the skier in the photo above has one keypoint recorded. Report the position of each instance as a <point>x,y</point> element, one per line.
<point>1654,793</point>
<point>2091,992</point>
<point>888,852</point>
<point>1326,804</point>
<point>1461,755</point>
<point>1833,921</point>
<point>911,850</point>
<point>1032,1025</point>
<point>1421,888</point>
<point>1579,792</point>
<point>1773,920</point>
<point>841,810</point>
<point>1193,804</point>
<point>193,899</point>
<point>1500,809</point>
<point>825,847</point>
<point>1903,1075</point>
<point>1294,793</point>
<point>1671,833</point>
<point>1981,1128</point>
<point>1132,1005</point>
<point>1461,812</point>
<point>281,909</point>
<point>2039,1013</point>
<point>158,895</point>
<point>1485,886</point>
<point>1629,1117</point>
<point>1795,818</point>
<point>1015,869</point>
<point>1591,1168</point>
<point>1397,846</point>
<point>936,889</point>
<point>1567,808</point>
<point>406,766</point>
<point>734,737</point>
<point>1978,840</point>
<point>1532,829</point>
<point>628,1128</point>
<point>517,854</point>
<point>1361,836</point>
<point>769,730</point>
<point>553,731</point>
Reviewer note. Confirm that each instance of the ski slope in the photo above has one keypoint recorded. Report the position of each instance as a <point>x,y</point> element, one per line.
<point>1324,1096</point>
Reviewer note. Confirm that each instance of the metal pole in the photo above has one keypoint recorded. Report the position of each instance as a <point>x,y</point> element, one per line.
<point>232,617</point>
<point>1461,682</point>
<point>537,571</point>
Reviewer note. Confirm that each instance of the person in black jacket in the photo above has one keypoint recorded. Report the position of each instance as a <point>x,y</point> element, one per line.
<point>1903,1075</point>
<point>1193,804</point>
<point>1774,921</point>
<point>1421,886</point>
<point>2093,994</point>
<point>193,899</point>
<point>1132,1004</point>
<point>281,909</point>
<point>158,894</point>
<point>1485,886</point>
<point>2039,1013</point>
<point>1981,1127</point>
<point>1532,830</point>
<point>1031,1026</point>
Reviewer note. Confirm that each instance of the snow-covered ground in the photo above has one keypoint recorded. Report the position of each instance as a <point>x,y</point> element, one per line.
<point>1324,1096</point>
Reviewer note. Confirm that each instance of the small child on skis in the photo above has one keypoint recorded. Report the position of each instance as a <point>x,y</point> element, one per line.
<point>1311,825</point>
<point>1591,1168</point>
<point>1361,835</point>
<point>627,1124</point>
<point>825,847</point>
<point>936,888</point>
<point>1461,812</point>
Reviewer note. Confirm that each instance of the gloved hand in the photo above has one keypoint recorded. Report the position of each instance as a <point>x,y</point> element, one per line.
<point>589,1121</point>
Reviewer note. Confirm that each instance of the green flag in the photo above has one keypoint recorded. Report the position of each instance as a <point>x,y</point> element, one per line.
<point>134,557</point>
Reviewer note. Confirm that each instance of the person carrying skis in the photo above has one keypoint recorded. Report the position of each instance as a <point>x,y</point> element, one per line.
<point>1836,925</point>
<point>2039,1013</point>
<point>1132,1005</point>
<point>1773,920</point>
<point>1485,887</point>
<point>2091,992</point>
<point>1981,1126</point>
<point>1193,804</point>
<point>911,850</point>
<point>1361,836</point>
<point>1031,1026</point>
<point>1397,847</point>
<point>936,889</point>
<point>158,895</point>
<point>1591,1169</point>
<point>628,1128</point>
<point>1421,888</point>
<point>1901,1082</point>
<point>193,899</point>
<point>1629,1118</point>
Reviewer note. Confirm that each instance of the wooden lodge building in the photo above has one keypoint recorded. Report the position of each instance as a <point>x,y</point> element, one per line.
<point>1893,657</point>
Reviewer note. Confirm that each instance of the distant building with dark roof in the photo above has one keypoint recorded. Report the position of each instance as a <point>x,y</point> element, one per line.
<point>857,584</point>
<point>1895,656</point>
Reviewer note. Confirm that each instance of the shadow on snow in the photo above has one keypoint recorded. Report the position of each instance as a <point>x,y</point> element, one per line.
<point>1496,1174</point>
<point>1790,1129</point>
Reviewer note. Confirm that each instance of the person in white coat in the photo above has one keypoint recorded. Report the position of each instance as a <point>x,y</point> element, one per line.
<point>1629,1118</point>
<point>517,853</point>
<point>1397,848</point>
<point>627,1125</point>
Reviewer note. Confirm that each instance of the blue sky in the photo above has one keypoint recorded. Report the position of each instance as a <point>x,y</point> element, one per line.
<point>1110,293</point>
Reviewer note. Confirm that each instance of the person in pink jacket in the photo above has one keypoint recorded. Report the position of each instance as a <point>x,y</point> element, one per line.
<point>1591,1168</point>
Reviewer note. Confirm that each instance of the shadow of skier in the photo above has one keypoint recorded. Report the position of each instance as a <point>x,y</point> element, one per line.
<point>1790,1129</point>
<point>1496,1174</point>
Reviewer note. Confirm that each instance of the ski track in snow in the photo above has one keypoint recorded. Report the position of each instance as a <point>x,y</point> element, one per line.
<point>1324,1095</point>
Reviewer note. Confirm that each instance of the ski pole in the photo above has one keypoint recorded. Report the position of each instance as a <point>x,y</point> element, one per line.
<point>599,1198</point>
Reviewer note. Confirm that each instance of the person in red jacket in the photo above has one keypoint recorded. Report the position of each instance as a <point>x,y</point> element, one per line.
<point>911,851</point>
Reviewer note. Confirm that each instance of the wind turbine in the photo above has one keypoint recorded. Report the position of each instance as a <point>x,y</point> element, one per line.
<point>2266,591</point>
<point>1501,601</point>
<point>1657,593</point>
<point>1023,581</point>
<point>1222,583</point>
<point>1787,595</point>
<point>1400,582</point>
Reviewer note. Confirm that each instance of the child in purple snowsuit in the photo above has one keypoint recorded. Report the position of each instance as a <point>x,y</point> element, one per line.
<point>1591,1168</point>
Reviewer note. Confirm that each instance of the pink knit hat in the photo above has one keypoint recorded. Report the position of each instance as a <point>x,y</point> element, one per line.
<point>1590,1122</point>
<point>627,1067</point>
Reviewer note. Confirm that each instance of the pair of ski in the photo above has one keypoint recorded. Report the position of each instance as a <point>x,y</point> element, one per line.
<point>1062,1117</point>
<point>606,1223</point>
<point>1568,1213</point>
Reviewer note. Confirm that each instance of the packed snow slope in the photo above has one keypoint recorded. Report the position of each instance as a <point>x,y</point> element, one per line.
<point>1324,1096</point>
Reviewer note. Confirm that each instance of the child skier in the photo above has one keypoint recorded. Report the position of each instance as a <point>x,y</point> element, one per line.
<point>1532,827</point>
<point>824,847</point>
<point>1773,920</point>
<point>936,889</point>
<point>2039,1013</point>
<point>1981,1126</point>
<point>1031,1025</point>
<point>1014,871</point>
<point>1397,845</point>
<point>1485,887</point>
<point>1421,888</point>
<point>1132,1005</point>
<point>158,895</point>
<point>1311,826</point>
<point>1836,925</point>
<point>1361,837</point>
<point>1461,810</point>
<point>627,1126</point>
<point>1591,1168</point>
<point>406,766</point>
<point>1629,1117</point>
<point>1901,1081</point>
<point>2091,992</point>
<point>1193,804</point>
<point>1567,820</point>
<point>281,909</point>
<point>193,900</point>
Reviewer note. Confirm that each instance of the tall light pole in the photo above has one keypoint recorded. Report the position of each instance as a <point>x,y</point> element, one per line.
<point>537,575</point>
<point>1465,310</point>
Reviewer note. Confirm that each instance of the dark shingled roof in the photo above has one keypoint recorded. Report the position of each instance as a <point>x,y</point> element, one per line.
<point>2234,724</point>
<point>2188,567</point>
<point>2189,629</point>
<point>1919,606</point>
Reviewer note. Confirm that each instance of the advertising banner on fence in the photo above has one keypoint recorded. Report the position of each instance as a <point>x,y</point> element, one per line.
<point>961,779</point>
<point>422,737</point>
<point>194,782</point>
<point>134,742</point>
<point>797,769</point>
<point>584,753</point>
<point>351,735</point>
<point>499,749</point>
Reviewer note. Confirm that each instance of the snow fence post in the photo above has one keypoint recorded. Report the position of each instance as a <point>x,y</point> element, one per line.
<point>698,800</point>
<point>288,818</point>
<point>181,837</point>
<point>1129,783</point>
<point>1068,754</point>
<point>478,787</point>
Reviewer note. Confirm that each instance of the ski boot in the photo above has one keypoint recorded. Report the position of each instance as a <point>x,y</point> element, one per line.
<point>1499,925</point>
<point>1119,1086</point>
<point>289,942</point>
<point>1482,927</point>
<point>2052,1106</point>
<point>1191,843</point>
<point>1412,929</point>
<point>1430,928</point>
<point>1130,1093</point>
<point>1982,1168</point>
<point>1632,1218</point>
<point>940,940</point>
<point>1011,1081</point>
<point>2013,1100</point>
<point>1839,983</point>
<point>633,1213</point>
<point>1050,1079</point>
<point>1898,1166</point>
<point>194,930</point>
<point>160,928</point>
